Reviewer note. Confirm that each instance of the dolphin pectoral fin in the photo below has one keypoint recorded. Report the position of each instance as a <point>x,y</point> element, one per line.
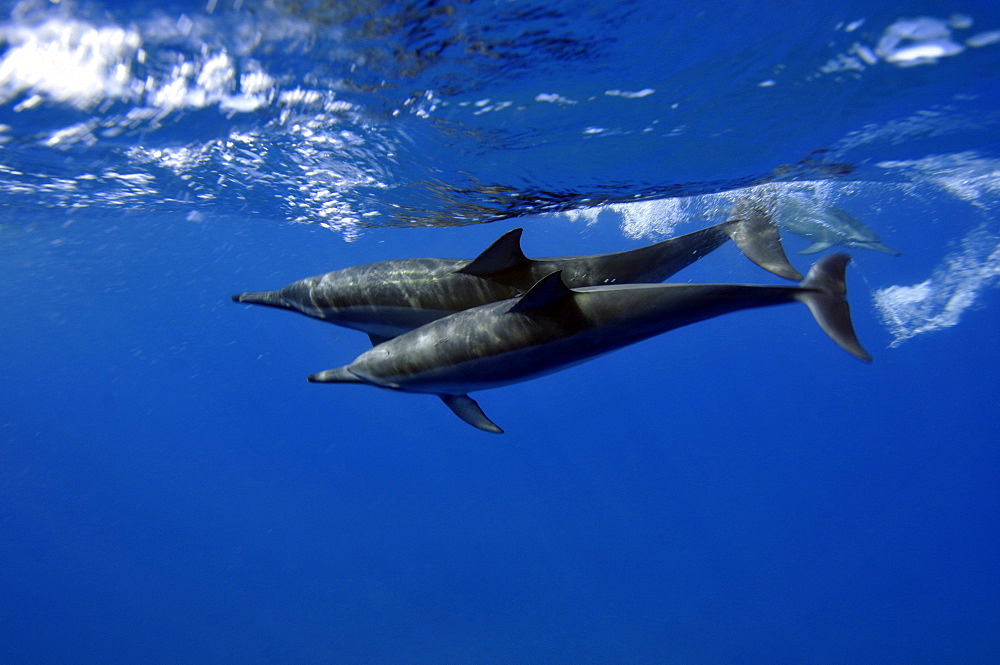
<point>823,290</point>
<point>468,410</point>
<point>757,236</point>
<point>504,254</point>
<point>879,247</point>
<point>816,247</point>
<point>338,375</point>
<point>546,291</point>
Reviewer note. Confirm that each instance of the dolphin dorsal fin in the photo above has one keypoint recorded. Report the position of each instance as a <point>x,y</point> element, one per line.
<point>378,339</point>
<point>547,290</point>
<point>504,254</point>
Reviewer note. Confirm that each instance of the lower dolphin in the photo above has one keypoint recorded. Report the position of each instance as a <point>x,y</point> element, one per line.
<point>387,298</point>
<point>553,327</point>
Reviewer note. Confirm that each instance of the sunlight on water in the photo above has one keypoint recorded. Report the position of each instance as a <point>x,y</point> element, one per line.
<point>67,61</point>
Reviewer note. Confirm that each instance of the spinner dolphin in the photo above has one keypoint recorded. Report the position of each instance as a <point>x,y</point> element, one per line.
<point>827,226</point>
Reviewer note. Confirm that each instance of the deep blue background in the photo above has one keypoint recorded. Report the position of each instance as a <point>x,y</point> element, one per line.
<point>742,490</point>
<point>172,490</point>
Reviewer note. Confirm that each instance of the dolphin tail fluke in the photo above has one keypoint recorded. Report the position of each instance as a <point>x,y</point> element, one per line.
<point>469,410</point>
<point>823,290</point>
<point>338,375</point>
<point>752,228</point>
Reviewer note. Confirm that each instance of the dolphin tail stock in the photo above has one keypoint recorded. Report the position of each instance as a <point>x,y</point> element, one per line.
<point>469,410</point>
<point>823,291</point>
<point>752,228</point>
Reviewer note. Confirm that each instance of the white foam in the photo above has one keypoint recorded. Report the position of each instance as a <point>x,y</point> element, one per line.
<point>917,41</point>
<point>940,301</point>
<point>923,52</point>
<point>965,175</point>
<point>908,42</point>
<point>588,216</point>
<point>629,94</point>
<point>553,98</point>
<point>983,39</point>
<point>73,62</point>
<point>957,282</point>
<point>651,218</point>
<point>68,61</point>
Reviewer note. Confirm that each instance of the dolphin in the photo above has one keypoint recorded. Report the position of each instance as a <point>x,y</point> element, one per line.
<point>554,326</point>
<point>389,298</point>
<point>826,226</point>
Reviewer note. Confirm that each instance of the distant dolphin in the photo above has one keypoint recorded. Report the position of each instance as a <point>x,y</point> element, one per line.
<point>388,298</point>
<point>826,226</point>
<point>553,327</point>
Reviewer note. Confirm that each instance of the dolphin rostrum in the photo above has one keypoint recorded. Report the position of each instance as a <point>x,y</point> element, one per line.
<point>553,327</point>
<point>388,298</point>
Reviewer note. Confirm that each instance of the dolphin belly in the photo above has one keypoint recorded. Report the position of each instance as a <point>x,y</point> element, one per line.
<point>482,373</point>
<point>386,322</point>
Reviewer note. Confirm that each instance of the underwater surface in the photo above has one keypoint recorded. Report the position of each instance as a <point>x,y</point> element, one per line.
<point>172,489</point>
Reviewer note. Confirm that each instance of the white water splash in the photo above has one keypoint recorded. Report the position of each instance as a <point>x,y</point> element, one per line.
<point>647,218</point>
<point>908,42</point>
<point>964,273</point>
<point>67,61</point>
<point>940,301</point>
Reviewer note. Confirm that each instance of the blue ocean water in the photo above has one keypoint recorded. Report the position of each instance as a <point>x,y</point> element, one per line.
<point>172,490</point>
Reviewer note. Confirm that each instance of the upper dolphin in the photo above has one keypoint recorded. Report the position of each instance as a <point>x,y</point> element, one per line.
<point>553,327</point>
<point>387,298</point>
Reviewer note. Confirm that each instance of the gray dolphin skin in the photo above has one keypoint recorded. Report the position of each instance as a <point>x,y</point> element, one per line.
<point>826,226</point>
<point>389,298</point>
<point>553,327</point>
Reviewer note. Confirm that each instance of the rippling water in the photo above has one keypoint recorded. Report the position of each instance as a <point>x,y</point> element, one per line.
<point>362,114</point>
<point>354,114</point>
